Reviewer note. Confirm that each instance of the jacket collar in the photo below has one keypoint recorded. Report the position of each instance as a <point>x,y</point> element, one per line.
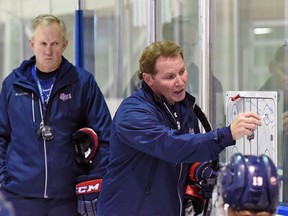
<point>188,101</point>
<point>65,75</point>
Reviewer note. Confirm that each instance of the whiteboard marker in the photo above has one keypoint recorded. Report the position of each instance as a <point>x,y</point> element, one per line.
<point>236,97</point>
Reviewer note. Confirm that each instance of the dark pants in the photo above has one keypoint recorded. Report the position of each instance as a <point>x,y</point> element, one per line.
<point>26,206</point>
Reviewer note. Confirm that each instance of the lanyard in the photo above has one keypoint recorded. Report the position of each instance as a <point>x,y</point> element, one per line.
<point>44,102</point>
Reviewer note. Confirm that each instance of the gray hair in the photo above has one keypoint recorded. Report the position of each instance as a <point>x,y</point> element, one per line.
<point>46,20</point>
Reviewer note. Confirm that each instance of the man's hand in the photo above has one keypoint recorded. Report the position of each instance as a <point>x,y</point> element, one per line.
<point>245,124</point>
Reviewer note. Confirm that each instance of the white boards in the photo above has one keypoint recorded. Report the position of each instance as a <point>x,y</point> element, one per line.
<point>264,140</point>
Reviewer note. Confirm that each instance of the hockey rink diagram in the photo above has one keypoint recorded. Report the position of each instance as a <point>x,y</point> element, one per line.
<point>264,139</point>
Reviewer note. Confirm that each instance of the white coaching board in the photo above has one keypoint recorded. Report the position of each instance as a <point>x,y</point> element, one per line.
<point>264,103</point>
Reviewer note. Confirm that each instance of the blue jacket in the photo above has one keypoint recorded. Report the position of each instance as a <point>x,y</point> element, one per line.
<point>150,158</point>
<point>32,167</point>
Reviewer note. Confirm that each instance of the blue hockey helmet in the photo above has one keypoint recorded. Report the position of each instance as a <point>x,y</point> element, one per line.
<point>250,183</point>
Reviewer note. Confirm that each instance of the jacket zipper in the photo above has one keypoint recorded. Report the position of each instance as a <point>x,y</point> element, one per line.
<point>181,165</point>
<point>177,124</point>
<point>46,170</point>
<point>148,187</point>
<point>33,109</point>
<point>45,153</point>
<point>178,192</point>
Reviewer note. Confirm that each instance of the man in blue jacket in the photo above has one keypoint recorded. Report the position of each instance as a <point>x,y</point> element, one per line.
<point>42,103</point>
<point>155,138</point>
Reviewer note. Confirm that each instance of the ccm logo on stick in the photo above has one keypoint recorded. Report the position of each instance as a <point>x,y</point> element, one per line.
<point>87,187</point>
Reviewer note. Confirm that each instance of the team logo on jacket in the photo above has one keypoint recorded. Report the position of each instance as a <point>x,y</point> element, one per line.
<point>65,97</point>
<point>191,131</point>
<point>21,93</point>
